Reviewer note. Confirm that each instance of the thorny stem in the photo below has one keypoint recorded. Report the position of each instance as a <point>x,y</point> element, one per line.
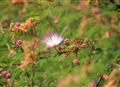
<point>59,51</point>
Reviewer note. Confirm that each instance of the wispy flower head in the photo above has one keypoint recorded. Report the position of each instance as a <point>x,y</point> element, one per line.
<point>52,39</point>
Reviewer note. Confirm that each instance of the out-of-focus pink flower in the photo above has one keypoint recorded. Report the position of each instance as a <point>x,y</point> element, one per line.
<point>92,84</point>
<point>18,1</point>
<point>105,77</point>
<point>17,24</point>
<point>95,10</point>
<point>19,42</point>
<point>52,39</point>
<point>5,74</point>
<point>83,4</point>
<point>76,61</point>
<point>60,85</point>
<point>7,19</point>
<point>66,41</point>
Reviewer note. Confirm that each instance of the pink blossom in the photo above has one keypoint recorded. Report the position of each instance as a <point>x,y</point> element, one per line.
<point>83,4</point>
<point>19,42</point>
<point>52,39</point>
<point>105,77</point>
<point>5,74</point>
<point>66,41</point>
<point>92,84</point>
<point>17,24</point>
<point>76,61</point>
<point>60,85</point>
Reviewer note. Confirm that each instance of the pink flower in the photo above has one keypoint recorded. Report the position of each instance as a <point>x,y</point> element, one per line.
<point>60,85</point>
<point>7,19</point>
<point>105,77</point>
<point>92,84</point>
<point>17,24</point>
<point>76,61</point>
<point>5,74</point>
<point>19,42</point>
<point>66,41</point>
<point>52,39</point>
<point>83,4</point>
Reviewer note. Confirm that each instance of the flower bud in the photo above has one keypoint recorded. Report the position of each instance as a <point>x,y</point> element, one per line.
<point>92,84</point>
<point>5,74</point>
<point>60,85</point>
<point>76,61</point>
<point>105,77</point>
<point>19,42</point>
<point>66,41</point>
<point>17,24</point>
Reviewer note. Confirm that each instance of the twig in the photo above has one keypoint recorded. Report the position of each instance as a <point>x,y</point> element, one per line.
<point>99,80</point>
